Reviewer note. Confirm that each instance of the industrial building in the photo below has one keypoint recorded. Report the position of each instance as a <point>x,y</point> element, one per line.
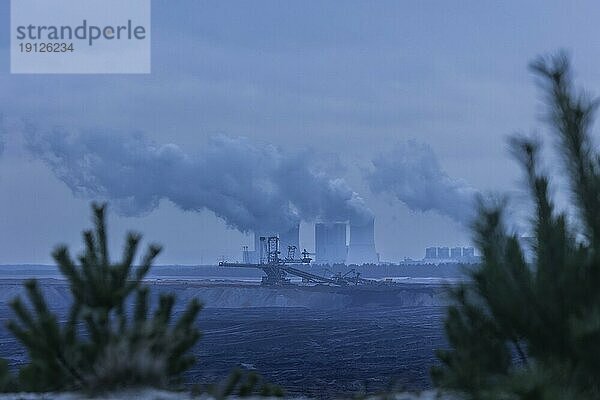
<point>288,238</point>
<point>333,247</point>
<point>444,254</point>
<point>456,253</point>
<point>330,243</point>
<point>468,252</point>
<point>361,249</point>
<point>341,242</point>
<point>431,253</point>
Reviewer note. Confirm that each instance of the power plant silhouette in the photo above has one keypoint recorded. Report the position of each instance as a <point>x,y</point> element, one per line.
<point>331,243</point>
<point>349,243</point>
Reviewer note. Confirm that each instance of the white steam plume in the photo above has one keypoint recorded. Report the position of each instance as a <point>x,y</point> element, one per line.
<point>411,173</point>
<point>249,186</point>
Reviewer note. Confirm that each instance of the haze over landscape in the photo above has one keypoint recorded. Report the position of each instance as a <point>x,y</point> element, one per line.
<point>341,117</point>
<point>341,199</point>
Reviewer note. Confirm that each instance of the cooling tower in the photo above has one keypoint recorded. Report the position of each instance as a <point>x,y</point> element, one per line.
<point>362,244</point>
<point>330,243</point>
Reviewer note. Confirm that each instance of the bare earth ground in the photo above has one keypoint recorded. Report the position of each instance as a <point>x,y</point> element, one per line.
<point>312,343</point>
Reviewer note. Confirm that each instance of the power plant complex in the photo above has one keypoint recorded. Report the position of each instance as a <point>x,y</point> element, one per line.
<point>348,243</point>
<point>338,244</point>
<point>332,244</point>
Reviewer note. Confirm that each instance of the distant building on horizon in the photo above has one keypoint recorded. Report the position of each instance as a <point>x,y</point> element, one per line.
<point>446,254</point>
<point>330,243</point>
<point>291,237</point>
<point>431,253</point>
<point>456,253</point>
<point>468,252</point>
<point>443,253</point>
<point>361,249</point>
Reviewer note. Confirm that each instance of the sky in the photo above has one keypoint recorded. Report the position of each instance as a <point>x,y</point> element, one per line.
<point>344,83</point>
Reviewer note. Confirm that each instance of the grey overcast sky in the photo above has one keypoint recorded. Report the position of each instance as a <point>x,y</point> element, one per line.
<point>344,80</point>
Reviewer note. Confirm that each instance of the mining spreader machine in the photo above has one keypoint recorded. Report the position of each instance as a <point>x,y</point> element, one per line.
<point>277,269</point>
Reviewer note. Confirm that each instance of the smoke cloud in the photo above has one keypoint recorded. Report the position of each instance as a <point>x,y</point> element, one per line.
<point>411,173</point>
<point>250,186</point>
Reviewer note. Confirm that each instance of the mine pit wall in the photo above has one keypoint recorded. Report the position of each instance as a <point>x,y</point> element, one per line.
<point>215,295</point>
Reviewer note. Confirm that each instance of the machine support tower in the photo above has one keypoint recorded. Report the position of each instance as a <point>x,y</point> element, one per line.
<point>276,269</point>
